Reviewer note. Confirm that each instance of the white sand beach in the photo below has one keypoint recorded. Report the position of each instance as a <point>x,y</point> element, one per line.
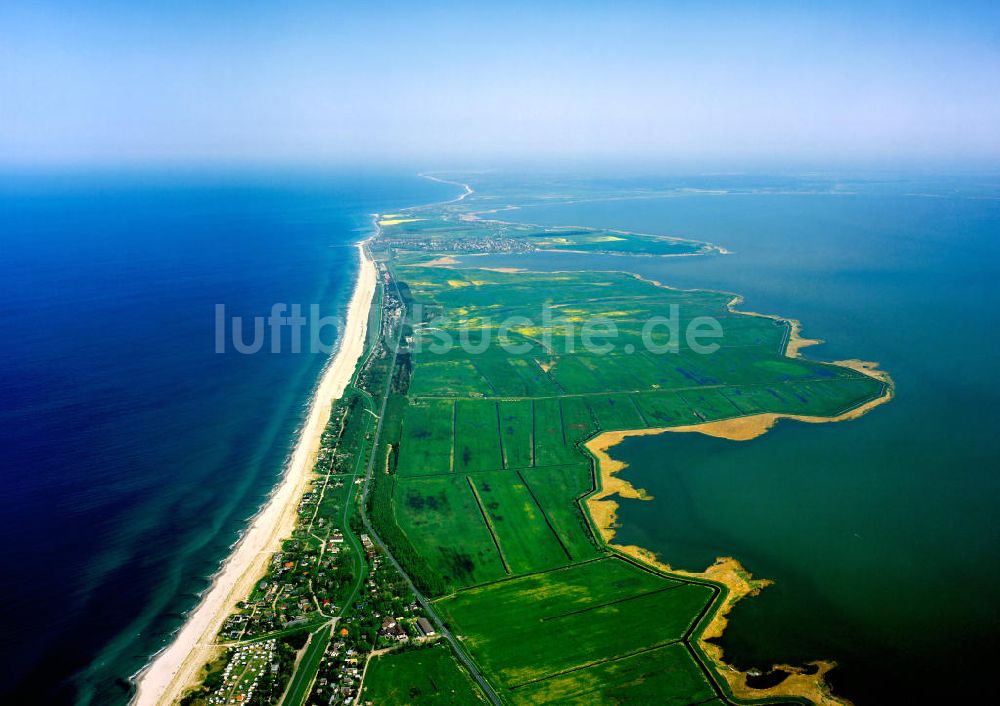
<point>177,667</point>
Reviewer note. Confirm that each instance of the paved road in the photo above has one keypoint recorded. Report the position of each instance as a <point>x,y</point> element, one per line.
<point>424,603</point>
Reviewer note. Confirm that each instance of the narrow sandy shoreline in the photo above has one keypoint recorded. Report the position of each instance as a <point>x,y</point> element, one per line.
<point>177,667</point>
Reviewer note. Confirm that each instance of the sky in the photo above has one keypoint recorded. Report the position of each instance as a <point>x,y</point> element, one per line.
<point>441,84</point>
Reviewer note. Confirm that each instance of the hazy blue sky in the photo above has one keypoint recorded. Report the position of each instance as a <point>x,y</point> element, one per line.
<point>437,83</point>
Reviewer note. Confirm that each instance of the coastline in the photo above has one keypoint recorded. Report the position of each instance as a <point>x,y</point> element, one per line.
<point>176,667</point>
<point>732,579</point>
<point>737,582</point>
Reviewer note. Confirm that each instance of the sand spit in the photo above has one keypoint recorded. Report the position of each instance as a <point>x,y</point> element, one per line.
<point>177,667</point>
<point>442,261</point>
<point>795,340</point>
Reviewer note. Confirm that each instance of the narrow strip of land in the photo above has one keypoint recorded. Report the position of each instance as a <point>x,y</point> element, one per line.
<point>177,666</point>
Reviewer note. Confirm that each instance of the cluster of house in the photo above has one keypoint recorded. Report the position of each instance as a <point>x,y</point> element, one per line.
<point>392,629</point>
<point>368,545</point>
<point>343,685</point>
<point>494,243</point>
<point>285,597</point>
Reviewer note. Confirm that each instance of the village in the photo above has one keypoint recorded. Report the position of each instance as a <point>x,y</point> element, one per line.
<point>329,596</point>
<point>498,241</point>
<point>385,618</point>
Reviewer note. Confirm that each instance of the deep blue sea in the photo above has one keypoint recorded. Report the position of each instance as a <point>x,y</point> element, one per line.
<point>131,453</point>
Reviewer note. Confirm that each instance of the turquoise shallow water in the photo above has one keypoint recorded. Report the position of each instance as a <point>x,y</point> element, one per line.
<point>881,533</point>
<point>132,453</point>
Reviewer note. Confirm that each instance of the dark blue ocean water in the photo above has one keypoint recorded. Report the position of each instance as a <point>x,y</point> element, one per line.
<point>131,453</point>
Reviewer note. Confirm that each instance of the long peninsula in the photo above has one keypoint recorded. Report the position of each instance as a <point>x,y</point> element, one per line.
<point>455,537</point>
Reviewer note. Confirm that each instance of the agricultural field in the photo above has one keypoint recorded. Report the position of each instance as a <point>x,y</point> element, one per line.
<point>507,526</point>
<point>536,346</point>
<point>578,616</point>
<point>556,489</point>
<point>519,523</point>
<point>427,675</point>
<point>477,436</point>
<point>428,426</point>
<point>492,428</point>
<point>517,433</point>
<point>442,518</point>
<point>665,675</point>
<point>509,372</point>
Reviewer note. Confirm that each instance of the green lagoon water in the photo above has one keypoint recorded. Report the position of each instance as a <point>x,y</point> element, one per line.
<point>881,534</point>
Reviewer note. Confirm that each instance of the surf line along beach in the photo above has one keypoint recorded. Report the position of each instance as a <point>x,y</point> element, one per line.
<point>176,667</point>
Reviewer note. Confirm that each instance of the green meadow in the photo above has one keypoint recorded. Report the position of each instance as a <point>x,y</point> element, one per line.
<point>578,616</point>
<point>485,475</point>
<point>491,453</point>
<point>663,675</point>
<point>426,675</point>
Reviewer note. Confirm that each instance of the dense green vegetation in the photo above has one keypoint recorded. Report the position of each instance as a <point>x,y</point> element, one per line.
<point>481,491</point>
<point>579,615</point>
<point>664,675</point>
<point>460,441</point>
<point>427,675</point>
<point>300,685</point>
<point>489,441</point>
